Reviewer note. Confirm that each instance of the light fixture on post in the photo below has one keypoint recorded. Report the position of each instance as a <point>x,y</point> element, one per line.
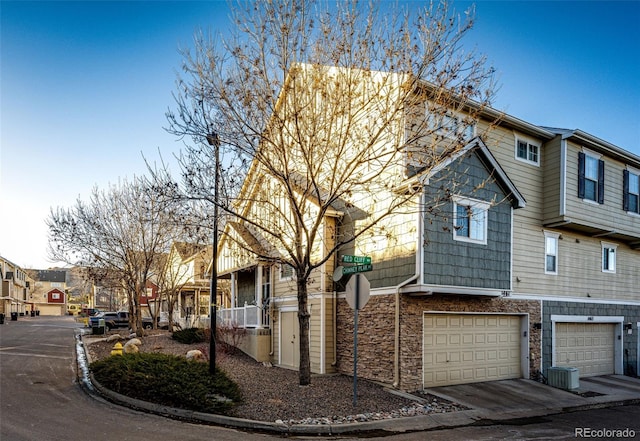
<point>213,141</point>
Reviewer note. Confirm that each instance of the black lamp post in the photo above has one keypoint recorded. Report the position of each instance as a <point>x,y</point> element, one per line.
<point>213,141</point>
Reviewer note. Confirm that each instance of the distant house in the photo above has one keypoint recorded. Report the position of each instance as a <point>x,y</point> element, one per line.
<point>185,282</point>
<point>15,288</point>
<point>49,295</point>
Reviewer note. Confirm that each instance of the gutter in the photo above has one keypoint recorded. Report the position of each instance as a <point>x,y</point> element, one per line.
<point>416,275</point>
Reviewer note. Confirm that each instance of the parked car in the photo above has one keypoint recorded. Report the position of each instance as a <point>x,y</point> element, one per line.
<point>118,319</point>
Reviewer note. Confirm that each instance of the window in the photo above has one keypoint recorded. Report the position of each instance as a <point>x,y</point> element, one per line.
<point>551,252</point>
<point>266,283</point>
<point>470,220</point>
<point>450,126</point>
<point>609,257</point>
<point>590,177</point>
<point>631,191</point>
<point>527,151</point>
<point>286,271</point>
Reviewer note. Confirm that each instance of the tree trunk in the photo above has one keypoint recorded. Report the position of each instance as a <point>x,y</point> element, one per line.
<point>303,320</point>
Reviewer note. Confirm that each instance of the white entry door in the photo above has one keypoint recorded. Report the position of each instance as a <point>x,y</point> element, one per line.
<point>289,340</point>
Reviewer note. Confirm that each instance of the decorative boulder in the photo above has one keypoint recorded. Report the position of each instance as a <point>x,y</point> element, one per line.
<point>131,347</point>
<point>114,337</point>
<point>195,355</point>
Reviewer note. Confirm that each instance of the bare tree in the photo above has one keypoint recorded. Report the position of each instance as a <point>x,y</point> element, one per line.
<point>120,230</point>
<point>334,107</point>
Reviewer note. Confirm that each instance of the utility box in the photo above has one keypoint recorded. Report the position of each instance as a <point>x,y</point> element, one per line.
<point>567,378</point>
<point>100,328</point>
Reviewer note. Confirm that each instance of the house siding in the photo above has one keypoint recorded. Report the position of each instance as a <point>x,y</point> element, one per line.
<point>610,215</point>
<point>551,162</point>
<point>452,262</point>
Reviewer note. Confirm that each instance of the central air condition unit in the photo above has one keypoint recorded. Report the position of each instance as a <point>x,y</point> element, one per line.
<point>566,378</point>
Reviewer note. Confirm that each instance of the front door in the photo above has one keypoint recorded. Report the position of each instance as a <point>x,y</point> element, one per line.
<point>289,340</point>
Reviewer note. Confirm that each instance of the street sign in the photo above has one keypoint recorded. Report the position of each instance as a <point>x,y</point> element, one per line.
<point>357,291</point>
<point>356,259</point>
<point>356,269</point>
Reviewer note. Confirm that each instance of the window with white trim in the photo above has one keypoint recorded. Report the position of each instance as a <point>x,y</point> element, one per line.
<point>590,177</point>
<point>449,125</point>
<point>609,257</point>
<point>527,151</point>
<point>631,191</point>
<point>286,271</point>
<point>470,220</point>
<point>551,252</point>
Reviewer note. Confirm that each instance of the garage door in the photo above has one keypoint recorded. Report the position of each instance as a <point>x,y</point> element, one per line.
<point>469,348</point>
<point>586,346</point>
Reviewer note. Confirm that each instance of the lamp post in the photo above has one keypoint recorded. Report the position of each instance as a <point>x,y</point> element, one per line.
<point>213,141</point>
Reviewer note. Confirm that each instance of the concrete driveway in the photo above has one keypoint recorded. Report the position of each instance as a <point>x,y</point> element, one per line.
<point>500,400</point>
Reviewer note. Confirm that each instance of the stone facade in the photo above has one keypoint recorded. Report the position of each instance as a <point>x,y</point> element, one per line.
<point>376,333</point>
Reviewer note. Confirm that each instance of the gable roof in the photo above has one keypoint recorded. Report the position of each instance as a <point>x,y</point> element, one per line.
<point>186,250</point>
<point>487,158</point>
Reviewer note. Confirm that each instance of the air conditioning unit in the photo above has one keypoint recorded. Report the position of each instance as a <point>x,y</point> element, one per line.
<point>566,378</point>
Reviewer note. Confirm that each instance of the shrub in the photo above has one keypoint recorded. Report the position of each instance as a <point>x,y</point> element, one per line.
<point>190,336</point>
<point>168,380</point>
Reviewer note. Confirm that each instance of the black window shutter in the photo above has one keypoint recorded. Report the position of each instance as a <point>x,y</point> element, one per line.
<point>581,166</point>
<point>601,181</point>
<point>625,190</point>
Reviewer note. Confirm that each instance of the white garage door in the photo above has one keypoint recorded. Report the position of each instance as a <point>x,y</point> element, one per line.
<point>469,348</point>
<point>586,346</point>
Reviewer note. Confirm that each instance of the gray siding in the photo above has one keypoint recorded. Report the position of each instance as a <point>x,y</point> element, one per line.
<point>456,263</point>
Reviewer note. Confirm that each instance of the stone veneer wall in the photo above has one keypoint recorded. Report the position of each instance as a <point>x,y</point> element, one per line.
<point>376,333</point>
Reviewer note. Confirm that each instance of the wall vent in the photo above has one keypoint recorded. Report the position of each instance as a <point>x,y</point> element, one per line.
<point>566,378</point>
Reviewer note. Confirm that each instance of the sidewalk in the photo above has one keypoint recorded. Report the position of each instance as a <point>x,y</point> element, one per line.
<point>491,402</point>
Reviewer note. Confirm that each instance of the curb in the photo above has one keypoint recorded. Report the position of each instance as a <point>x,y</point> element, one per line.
<point>392,426</point>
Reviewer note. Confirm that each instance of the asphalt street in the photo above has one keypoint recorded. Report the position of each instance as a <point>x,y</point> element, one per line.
<point>41,398</point>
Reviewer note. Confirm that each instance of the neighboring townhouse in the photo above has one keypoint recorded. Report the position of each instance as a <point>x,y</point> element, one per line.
<point>185,282</point>
<point>523,254</point>
<point>577,248</point>
<point>49,295</point>
<point>15,290</point>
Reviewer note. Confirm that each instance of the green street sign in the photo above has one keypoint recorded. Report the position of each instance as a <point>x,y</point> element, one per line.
<point>357,269</point>
<point>366,260</point>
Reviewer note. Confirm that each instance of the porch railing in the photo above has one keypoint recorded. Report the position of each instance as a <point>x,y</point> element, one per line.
<point>247,316</point>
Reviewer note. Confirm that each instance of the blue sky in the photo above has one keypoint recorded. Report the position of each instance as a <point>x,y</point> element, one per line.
<point>84,87</point>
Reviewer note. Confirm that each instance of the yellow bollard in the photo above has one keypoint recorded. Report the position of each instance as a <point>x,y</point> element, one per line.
<point>117,349</point>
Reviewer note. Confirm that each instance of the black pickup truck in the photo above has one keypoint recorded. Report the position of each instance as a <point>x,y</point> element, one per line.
<point>118,319</point>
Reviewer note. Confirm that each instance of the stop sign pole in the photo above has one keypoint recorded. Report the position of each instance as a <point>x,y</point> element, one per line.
<point>355,340</point>
<point>357,292</point>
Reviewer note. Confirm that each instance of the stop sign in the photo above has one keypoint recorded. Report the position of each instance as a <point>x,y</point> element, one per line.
<point>357,291</point>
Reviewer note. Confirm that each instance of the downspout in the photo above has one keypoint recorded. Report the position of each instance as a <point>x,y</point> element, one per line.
<point>416,275</point>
